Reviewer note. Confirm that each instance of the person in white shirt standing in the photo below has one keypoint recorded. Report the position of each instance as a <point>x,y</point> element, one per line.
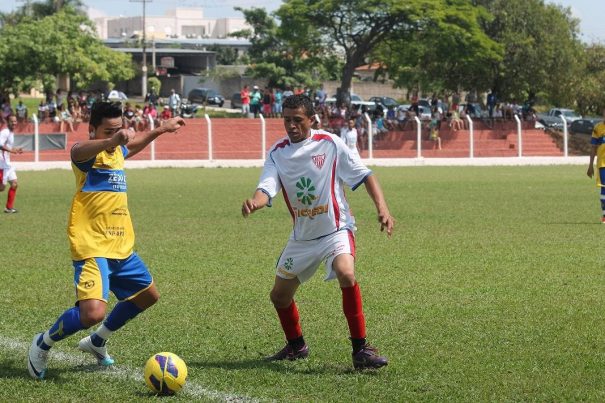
<point>7,171</point>
<point>349,136</point>
<point>311,168</point>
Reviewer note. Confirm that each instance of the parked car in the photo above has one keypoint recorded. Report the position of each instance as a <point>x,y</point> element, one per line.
<point>553,117</point>
<point>354,98</point>
<point>205,95</point>
<point>236,101</point>
<point>584,126</point>
<point>385,102</point>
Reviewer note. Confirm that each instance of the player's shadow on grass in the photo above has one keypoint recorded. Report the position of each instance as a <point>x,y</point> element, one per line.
<point>309,366</point>
<point>17,369</point>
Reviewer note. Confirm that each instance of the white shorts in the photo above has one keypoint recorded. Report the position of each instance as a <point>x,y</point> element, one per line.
<point>302,258</point>
<point>8,174</point>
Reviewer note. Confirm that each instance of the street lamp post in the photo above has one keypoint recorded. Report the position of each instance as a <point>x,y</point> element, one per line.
<point>144,67</point>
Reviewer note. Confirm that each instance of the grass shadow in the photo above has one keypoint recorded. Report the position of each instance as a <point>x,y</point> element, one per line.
<point>302,367</point>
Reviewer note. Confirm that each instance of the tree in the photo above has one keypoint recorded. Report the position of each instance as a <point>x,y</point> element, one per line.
<point>40,9</point>
<point>274,58</point>
<point>541,50</point>
<point>589,89</point>
<point>63,43</point>
<point>451,51</point>
<point>224,55</point>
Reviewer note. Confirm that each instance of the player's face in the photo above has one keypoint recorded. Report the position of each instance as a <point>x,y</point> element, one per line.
<point>297,124</point>
<point>107,128</point>
<point>12,122</point>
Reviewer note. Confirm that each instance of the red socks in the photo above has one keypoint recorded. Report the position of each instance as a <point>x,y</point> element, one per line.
<point>352,307</point>
<point>10,201</point>
<point>289,320</point>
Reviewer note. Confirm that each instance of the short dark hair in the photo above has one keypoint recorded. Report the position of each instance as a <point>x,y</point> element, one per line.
<point>300,101</point>
<point>104,110</point>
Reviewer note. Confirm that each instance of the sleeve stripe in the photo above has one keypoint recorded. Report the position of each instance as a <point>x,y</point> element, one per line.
<point>365,178</point>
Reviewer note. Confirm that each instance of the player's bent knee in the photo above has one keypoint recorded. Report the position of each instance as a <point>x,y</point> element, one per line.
<point>91,317</point>
<point>280,299</point>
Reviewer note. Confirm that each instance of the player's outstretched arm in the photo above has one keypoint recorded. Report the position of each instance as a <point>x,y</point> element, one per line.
<point>257,202</point>
<point>387,222</point>
<point>85,150</point>
<point>143,140</point>
<point>593,153</point>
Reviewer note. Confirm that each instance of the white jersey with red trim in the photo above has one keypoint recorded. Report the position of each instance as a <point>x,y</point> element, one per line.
<point>7,138</point>
<point>311,175</point>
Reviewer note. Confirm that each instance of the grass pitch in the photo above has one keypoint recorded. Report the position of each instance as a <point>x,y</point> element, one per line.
<point>491,289</point>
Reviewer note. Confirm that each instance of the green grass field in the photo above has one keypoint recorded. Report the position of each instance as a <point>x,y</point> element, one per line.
<point>491,289</point>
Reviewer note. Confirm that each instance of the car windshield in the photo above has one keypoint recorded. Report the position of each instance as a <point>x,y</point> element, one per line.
<point>211,93</point>
<point>570,114</point>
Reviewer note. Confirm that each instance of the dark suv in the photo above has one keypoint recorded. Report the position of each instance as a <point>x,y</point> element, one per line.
<point>205,95</point>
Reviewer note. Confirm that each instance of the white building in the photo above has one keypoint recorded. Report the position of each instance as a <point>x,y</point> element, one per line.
<point>176,23</point>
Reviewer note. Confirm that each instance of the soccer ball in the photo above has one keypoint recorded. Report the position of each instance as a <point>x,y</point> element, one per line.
<point>165,373</point>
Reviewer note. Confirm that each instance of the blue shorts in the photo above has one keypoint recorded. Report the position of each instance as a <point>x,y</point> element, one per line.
<point>125,278</point>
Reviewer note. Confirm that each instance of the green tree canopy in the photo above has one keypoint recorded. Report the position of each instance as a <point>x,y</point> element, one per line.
<point>274,57</point>
<point>450,52</point>
<point>63,43</point>
<point>542,52</point>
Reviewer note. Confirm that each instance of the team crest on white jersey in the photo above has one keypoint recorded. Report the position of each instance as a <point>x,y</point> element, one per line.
<point>319,160</point>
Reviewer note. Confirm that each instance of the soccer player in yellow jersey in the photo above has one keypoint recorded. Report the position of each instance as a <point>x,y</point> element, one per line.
<point>101,239</point>
<point>598,150</point>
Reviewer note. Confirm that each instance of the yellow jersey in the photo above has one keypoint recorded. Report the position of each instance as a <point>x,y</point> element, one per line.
<point>598,138</point>
<point>99,222</point>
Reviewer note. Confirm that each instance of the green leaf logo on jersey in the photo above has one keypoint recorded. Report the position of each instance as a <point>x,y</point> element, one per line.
<point>306,187</point>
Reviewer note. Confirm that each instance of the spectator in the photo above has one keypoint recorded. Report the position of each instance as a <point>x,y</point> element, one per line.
<point>349,135</point>
<point>60,97</point>
<point>165,115</point>
<point>149,111</point>
<point>139,120</point>
<point>277,108</point>
<point>267,102</point>
<point>378,126</point>
<point>152,97</point>
<point>391,119</point>
<point>244,95</point>
<point>434,126</point>
<point>288,92</point>
<point>255,101</point>
<point>52,110</point>
<point>401,115</point>
<point>65,118</point>
<point>74,109</point>
<point>129,116</point>
<point>456,123</point>
<point>415,106</point>
<point>174,102</point>
<point>21,112</point>
<point>6,111</point>
<point>321,96</point>
<point>42,111</point>
<point>491,103</point>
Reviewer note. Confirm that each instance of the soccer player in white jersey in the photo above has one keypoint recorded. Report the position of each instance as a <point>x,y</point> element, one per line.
<point>7,171</point>
<point>311,168</point>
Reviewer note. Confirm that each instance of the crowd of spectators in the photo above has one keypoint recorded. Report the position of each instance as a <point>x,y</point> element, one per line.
<point>68,110</point>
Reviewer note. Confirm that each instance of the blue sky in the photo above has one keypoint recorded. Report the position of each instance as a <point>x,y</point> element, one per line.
<point>590,12</point>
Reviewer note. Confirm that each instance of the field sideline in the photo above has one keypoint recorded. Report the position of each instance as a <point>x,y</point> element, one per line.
<point>491,289</point>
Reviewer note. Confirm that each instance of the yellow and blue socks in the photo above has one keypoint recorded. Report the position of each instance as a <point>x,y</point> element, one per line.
<point>67,324</point>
